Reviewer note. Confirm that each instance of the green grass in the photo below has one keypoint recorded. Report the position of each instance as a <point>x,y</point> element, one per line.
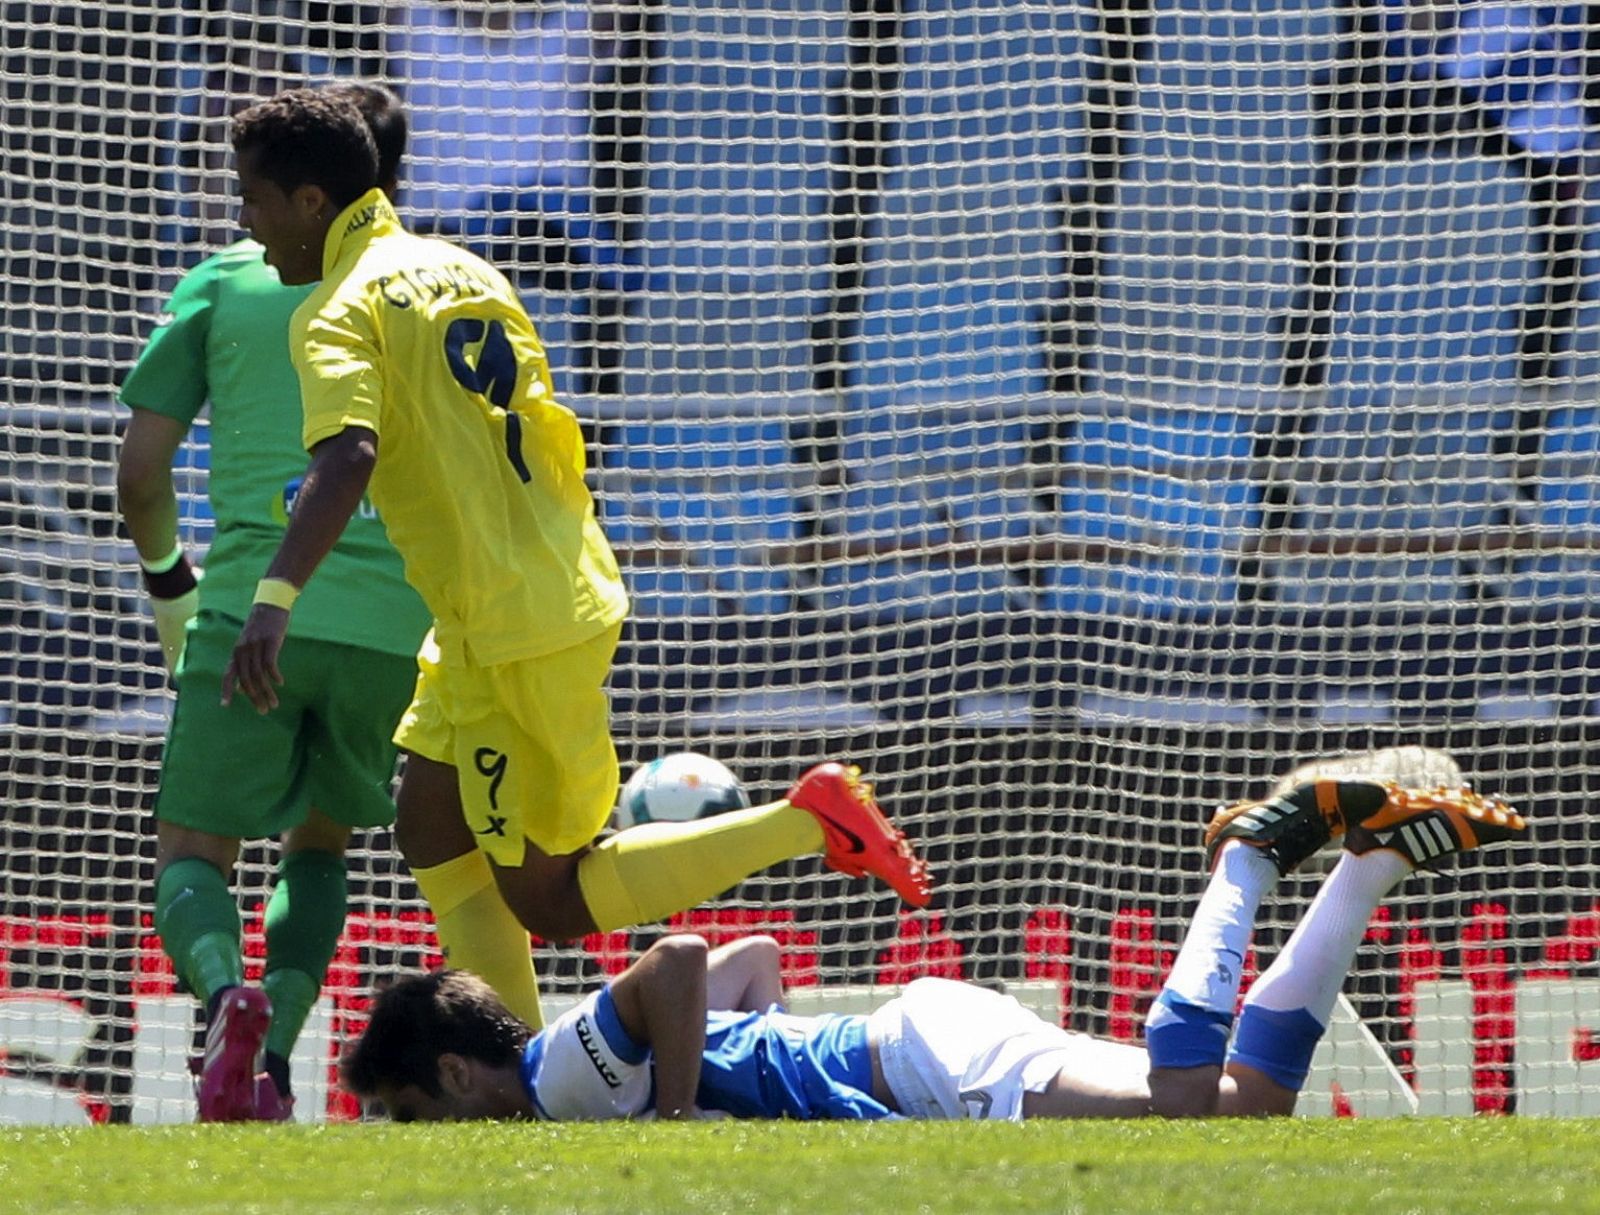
<point>1299,1168</point>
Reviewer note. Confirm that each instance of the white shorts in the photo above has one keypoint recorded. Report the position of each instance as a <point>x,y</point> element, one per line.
<point>952,1050</point>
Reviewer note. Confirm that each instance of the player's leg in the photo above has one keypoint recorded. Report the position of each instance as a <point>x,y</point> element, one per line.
<point>648,873</point>
<point>196,914</point>
<point>228,774</point>
<point>745,975</point>
<point>1249,847</point>
<point>1243,1088</point>
<point>542,773</point>
<point>641,875</point>
<point>944,1049</point>
<point>304,920</point>
<point>1289,1007</point>
<point>477,930</point>
<point>1079,1092</point>
<point>654,870</point>
<point>354,697</point>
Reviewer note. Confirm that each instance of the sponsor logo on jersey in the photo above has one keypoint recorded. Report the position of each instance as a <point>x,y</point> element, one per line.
<point>282,505</point>
<point>361,219</point>
<point>586,1040</point>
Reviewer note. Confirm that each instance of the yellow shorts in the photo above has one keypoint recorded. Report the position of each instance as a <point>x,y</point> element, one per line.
<point>530,742</point>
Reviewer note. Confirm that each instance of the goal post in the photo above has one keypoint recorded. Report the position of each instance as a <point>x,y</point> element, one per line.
<point>1077,415</point>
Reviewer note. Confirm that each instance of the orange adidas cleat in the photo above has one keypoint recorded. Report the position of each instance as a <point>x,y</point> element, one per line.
<point>1426,825</point>
<point>1292,826</point>
<point>858,838</point>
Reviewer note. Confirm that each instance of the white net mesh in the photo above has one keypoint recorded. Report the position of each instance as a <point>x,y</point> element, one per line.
<point>1078,416</point>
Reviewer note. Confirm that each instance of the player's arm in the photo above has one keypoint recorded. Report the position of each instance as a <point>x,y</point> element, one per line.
<point>144,482</point>
<point>744,976</point>
<point>661,1002</point>
<point>149,507</point>
<point>335,481</point>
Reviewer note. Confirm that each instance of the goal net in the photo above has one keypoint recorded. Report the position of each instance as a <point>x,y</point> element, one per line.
<point>1077,415</point>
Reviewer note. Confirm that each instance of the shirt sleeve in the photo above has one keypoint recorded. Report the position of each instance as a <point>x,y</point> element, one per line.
<point>589,1068</point>
<point>170,376</point>
<point>340,365</point>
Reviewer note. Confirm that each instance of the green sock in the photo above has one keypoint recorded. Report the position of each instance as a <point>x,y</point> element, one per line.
<point>293,994</point>
<point>198,920</point>
<point>304,919</point>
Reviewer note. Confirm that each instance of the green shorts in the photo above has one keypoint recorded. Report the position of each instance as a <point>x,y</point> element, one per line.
<point>232,772</point>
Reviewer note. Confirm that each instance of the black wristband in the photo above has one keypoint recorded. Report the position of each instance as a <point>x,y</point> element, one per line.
<point>169,584</point>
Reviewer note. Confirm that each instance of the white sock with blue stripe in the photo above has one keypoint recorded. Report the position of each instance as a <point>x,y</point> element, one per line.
<point>1289,1007</point>
<point>1189,1023</point>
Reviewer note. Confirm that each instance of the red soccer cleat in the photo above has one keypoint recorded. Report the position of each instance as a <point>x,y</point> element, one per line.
<point>858,838</point>
<point>227,1088</point>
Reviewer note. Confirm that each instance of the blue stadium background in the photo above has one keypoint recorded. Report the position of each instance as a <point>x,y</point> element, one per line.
<point>1055,392</point>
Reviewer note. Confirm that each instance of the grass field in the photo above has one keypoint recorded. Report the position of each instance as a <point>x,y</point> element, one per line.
<point>1300,1168</point>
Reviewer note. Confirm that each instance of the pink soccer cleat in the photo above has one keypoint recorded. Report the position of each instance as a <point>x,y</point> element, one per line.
<point>270,1104</point>
<point>227,1088</point>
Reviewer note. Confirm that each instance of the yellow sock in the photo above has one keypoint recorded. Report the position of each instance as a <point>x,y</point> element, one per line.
<point>647,873</point>
<point>478,932</point>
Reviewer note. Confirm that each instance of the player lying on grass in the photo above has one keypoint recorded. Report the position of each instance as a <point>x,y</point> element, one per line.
<point>422,378</point>
<point>684,1032</point>
<point>322,764</point>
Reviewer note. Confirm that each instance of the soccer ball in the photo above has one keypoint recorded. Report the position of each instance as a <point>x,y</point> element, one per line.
<point>677,788</point>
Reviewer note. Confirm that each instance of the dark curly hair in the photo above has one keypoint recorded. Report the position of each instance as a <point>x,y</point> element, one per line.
<point>310,137</point>
<point>420,1017</point>
<point>386,118</point>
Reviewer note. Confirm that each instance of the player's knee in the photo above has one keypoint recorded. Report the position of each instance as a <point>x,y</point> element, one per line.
<point>1184,1092</point>
<point>318,833</point>
<point>762,947</point>
<point>558,925</point>
<point>558,915</point>
<point>761,954</point>
<point>429,827</point>
<point>428,834</point>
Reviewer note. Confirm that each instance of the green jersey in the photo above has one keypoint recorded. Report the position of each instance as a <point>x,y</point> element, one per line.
<point>226,340</point>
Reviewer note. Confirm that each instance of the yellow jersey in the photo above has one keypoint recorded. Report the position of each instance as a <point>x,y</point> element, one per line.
<point>480,472</point>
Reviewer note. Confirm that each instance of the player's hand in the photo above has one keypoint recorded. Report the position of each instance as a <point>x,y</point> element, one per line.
<point>253,669</point>
<point>174,599</point>
<point>172,618</point>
